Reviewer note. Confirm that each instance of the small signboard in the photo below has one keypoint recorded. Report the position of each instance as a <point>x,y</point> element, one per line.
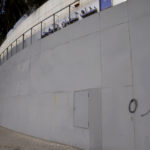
<point>104,4</point>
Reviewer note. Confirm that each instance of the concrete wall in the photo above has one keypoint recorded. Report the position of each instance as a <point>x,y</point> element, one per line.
<point>107,55</point>
<point>42,79</point>
<point>46,10</point>
<point>139,16</point>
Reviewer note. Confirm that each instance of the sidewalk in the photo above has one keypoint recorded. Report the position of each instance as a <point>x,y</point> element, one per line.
<point>10,140</point>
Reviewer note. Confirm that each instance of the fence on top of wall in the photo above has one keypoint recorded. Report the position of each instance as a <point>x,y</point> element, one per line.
<point>51,24</point>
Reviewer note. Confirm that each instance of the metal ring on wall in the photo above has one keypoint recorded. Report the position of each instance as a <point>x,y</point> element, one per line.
<point>135,103</point>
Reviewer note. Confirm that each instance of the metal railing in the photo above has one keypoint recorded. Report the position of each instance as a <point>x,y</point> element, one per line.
<point>8,52</point>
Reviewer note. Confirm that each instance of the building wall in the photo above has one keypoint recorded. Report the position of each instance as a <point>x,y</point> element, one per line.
<point>107,55</point>
<point>40,82</point>
<point>46,10</point>
<point>139,14</point>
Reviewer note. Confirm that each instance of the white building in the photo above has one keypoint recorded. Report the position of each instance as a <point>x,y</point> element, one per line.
<point>80,85</point>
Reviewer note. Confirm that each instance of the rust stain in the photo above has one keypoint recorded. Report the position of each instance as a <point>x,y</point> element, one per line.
<point>55,99</point>
<point>55,102</point>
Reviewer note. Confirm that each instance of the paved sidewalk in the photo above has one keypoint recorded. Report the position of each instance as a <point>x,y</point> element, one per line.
<point>10,140</point>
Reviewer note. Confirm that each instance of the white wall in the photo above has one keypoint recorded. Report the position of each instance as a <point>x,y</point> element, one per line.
<point>43,12</point>
<point>109,52</point>
<point>139,14</point>
<point>116,2</point>
<point>42,79</point>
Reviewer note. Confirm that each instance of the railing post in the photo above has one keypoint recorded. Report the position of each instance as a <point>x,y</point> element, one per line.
<point>69,13</point>
<point>0,59</point>
<point>16,45</point>
<point>31,35</point>
<point>23,41</point>
<point>11,49</point>
<point>7,53</point>
<point>54,22</point>
<point>41,29</point>
<point>3,56</point>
